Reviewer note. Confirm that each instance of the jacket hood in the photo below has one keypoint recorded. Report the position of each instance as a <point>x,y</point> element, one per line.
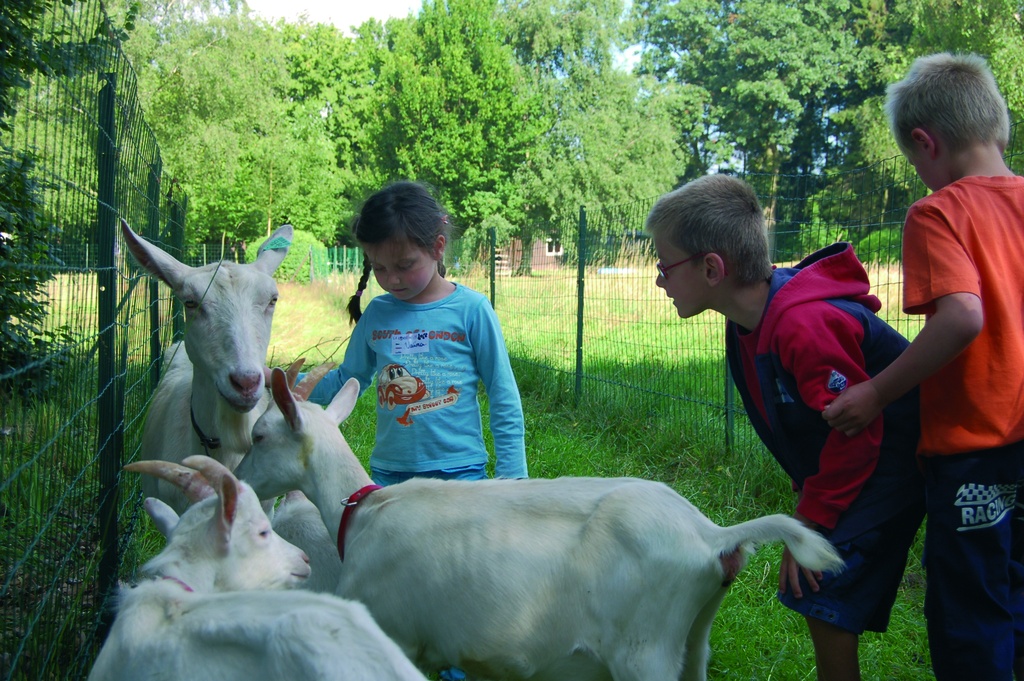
<point>832,272</point>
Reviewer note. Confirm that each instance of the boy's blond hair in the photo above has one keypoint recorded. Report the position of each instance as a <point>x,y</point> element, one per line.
<point>952,96</point>
<point>716,214</point>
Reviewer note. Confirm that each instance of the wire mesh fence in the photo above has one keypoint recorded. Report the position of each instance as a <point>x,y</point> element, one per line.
<point>82,332</point>
<point>589,309</point>
<point>78,338</point>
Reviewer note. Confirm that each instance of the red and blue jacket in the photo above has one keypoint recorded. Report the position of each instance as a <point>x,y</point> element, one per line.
<point>818,334</point>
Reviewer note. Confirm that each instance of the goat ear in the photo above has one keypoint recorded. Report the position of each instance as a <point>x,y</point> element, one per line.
<point>164,517</point>
<point>273,250</point>
<point>343,403</point>
<point>224,519</point>
<point>284,399</point>
<point>153,259</point>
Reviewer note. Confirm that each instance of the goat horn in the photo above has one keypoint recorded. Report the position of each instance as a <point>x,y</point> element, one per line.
<point>191,482</point>
<point>292,372</point>
<point>309,381</point>
<point>211,469</point>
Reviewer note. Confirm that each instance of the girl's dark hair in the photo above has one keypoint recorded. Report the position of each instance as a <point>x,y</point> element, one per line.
<point>402,210</point>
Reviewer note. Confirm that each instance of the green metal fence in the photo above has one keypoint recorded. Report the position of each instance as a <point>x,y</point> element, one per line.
<point>80,336</point>
<point>604,328</point>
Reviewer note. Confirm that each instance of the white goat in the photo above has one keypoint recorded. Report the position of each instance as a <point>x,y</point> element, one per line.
<point>298,521</point>
<point>217,383</point>
<point>191,622</point>
<point>574,578</point>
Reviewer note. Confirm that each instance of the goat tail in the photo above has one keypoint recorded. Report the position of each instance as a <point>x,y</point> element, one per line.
<point>808,547</point>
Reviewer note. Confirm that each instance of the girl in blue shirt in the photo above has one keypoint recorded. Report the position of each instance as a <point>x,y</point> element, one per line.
<point>428,343</point>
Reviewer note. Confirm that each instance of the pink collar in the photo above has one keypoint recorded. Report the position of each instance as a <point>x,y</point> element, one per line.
<point>184,586</point>
<point>350,505</point>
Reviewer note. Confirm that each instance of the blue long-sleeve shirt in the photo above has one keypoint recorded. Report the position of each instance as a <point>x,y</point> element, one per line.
<point>428,361</point>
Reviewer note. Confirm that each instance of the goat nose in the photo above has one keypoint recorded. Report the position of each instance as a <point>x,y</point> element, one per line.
<point>305,557</point>
<point>246,382</point>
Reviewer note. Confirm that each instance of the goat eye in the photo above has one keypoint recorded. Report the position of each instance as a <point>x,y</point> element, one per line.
<point>191,304</point>
<point>257,438</point>
<point>265,533</point>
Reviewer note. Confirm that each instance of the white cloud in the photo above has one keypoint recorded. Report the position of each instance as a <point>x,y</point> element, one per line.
<point>342,13</point>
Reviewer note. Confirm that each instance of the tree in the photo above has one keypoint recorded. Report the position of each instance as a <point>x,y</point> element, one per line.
<point>38,47</point>
<point>457,110</point>
<point>333,80</point>
<point>609,138</point>
<point>993,29</point>
<point>214,81</point>
<point>756,65</point>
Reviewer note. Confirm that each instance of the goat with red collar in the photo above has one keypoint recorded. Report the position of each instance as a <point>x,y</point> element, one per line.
<point>574,578</point>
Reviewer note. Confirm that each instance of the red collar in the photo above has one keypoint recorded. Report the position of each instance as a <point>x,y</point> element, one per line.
<point>350,505</point>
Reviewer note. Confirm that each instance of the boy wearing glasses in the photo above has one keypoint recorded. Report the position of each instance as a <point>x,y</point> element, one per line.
<point>962,251</point>
<point>796,337</point>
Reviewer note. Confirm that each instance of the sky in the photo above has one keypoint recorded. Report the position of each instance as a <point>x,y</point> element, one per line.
<point>341,13</point>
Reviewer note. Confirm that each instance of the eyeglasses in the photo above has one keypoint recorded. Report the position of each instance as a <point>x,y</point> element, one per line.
<point>663,269</point>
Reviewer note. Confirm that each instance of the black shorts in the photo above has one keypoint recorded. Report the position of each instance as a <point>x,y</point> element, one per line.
<point>861,596</point>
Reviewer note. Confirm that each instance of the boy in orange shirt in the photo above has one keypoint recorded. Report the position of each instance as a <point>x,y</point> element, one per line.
<point>963,246</point>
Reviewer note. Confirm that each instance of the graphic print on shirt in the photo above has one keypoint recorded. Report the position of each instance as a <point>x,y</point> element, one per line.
<point>837,382</point>
<point>397,387</point>
<point>983,506</point>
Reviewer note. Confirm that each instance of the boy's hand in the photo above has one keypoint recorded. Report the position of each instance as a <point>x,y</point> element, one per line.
<point>854,409</point>
<point>789,569</point>
<point>789,575</point>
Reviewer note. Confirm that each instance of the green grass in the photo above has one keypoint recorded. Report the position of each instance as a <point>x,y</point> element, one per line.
<point>612,430</point>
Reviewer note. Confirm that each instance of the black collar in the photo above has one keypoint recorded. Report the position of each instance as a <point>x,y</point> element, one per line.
<point>208,442</point>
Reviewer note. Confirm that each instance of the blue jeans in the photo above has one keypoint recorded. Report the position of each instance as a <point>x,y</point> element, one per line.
<point>384,477</point>
<point>974,603</point>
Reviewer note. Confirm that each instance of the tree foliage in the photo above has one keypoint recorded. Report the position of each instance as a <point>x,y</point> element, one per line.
<point>30,351</point>
<point>215,82</point>
<point>754,67</point>
<point>516,111</point>
<point>608,136</point>
<point>34,46</point>
<point>993,28</point>
<point>458,112</point>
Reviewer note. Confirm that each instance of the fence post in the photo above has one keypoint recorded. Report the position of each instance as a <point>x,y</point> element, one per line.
<point>153,232</point>
<point>107,422</point>
<point>177,241</point>
<point>493,237</point>
<point>581,268</point>
<point>730,408</point>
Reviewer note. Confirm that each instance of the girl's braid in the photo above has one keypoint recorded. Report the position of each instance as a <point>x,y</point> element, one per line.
<point>354,309</point>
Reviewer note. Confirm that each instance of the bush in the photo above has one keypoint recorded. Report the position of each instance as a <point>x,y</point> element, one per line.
<point>881,246</point>
<point>296,264</point>
<point>30,354</point>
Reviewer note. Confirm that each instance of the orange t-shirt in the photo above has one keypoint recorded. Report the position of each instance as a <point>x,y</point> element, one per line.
<point>968,237</point>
